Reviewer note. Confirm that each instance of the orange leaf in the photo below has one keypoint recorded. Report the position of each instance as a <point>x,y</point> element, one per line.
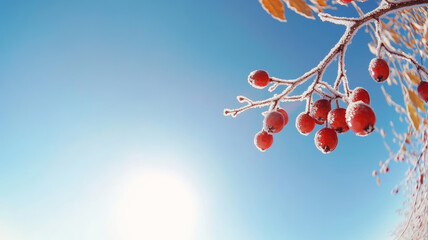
<point>416,101</point>
<point>274,8</point>
<point>300,7</point>
<point>321,3</point>
<point>413,77</point>
<point>413,116</point>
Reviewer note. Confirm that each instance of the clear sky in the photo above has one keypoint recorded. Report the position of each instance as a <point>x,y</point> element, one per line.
<point>96,95</point>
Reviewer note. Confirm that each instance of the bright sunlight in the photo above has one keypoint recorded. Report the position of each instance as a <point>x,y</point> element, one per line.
<point>156,206</point>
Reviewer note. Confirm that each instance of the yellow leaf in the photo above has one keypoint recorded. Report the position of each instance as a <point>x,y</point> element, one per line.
<point>413,116</point>
<point>416,101</point>
<point>274,8</point>
<point>413,77</point>
<point>300,7</point>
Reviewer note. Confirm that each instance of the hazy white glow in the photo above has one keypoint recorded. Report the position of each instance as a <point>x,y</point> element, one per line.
<point>156,206</point>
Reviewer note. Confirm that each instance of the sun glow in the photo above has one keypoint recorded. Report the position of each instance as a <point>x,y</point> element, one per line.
<point>156,206</point>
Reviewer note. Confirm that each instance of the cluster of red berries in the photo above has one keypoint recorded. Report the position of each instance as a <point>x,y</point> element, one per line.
<point>274,122</point>
<point>358,116</point>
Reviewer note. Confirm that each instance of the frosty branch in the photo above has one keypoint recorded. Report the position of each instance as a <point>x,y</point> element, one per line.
<point>352,26</point>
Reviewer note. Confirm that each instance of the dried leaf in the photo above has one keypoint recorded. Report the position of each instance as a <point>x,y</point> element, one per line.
<point>300,7</point>
<point>274,8</point>
<point>413,77</point>
<point>413,116</point>
<point>416,101</point>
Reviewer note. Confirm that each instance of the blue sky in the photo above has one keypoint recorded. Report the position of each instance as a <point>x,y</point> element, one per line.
<point>92,90</point>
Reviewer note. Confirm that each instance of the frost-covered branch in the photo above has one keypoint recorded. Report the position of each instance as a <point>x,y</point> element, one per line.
<point>352,27</point>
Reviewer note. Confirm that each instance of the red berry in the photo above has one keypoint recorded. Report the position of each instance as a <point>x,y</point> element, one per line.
<point>360,118</point>
<point>326,140</point>
<point>336,119</point>
<point>284,114</point>
<point>305,123</point>
<point>274,122</point>
<point>360,94</point>
<point>320,109</point>
<point>379,69</point>
<point>423,90</point>
<point>263,140</point>
<point>258,79</point>
<point>344,2</point>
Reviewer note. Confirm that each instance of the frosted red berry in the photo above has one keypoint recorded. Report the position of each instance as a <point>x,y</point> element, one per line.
<point>263,140</point>
<point>423,90</point>
<point>305,123</point>
<point>360,118</point>
<point>360,94</point>
<point>258,79</point>
<point>274,122</point>
<point>336,119</point>
<point>320,109</point>
<point>326,140</point>
<point>379,69</point>
<point>284,114</point>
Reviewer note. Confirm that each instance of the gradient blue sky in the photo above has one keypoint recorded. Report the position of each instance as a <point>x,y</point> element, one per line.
<point>92,89</point>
